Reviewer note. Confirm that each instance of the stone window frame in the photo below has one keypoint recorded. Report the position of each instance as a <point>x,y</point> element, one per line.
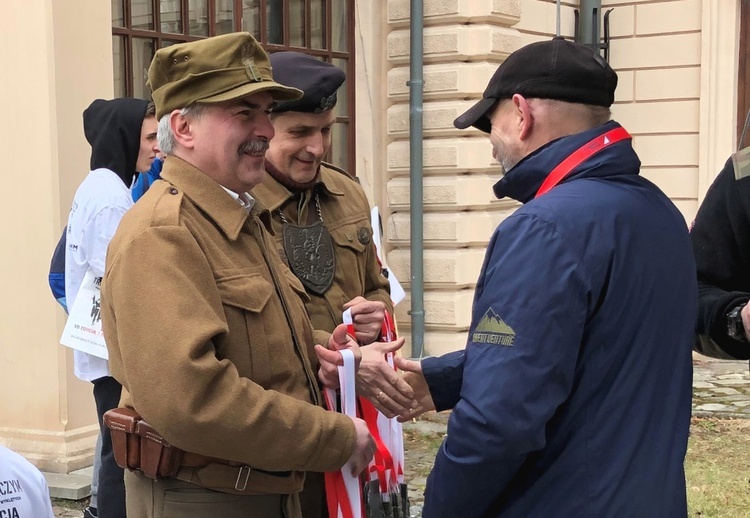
<point>720,35</point>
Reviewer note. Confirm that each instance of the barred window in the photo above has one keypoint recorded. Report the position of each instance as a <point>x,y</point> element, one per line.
<point>322,28</point>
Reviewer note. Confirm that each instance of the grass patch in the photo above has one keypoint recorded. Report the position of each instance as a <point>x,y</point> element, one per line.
<point>717,468</point>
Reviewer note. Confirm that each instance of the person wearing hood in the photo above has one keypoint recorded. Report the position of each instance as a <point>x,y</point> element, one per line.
<point>573,395</point>
<point>122,135</point>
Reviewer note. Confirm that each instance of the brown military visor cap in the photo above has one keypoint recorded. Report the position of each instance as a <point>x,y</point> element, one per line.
<point>212,70</point>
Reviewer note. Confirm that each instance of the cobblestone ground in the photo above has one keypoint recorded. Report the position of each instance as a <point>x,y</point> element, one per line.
<point>720,389</point>
<point>68,509</point>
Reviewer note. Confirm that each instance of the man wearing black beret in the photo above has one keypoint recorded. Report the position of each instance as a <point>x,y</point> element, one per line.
<point>572,397</point>
<point>320,214</point>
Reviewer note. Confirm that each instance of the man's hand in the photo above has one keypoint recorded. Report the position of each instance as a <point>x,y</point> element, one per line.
<point>745,314</point>
<point>376,379</point>
<point>367,316</point>
<point>364,448</point>
<point>412,373</point>
<point>380,383</point>
<point>330,359</point>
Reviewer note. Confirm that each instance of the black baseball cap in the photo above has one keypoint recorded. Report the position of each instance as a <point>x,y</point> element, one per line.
<point>554,69</point>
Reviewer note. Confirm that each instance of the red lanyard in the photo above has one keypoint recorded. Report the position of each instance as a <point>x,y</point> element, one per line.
<point>579,156</point>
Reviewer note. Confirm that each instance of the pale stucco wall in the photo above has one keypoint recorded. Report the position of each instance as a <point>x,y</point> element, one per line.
<point>55,61</point>
<point>464,41</point>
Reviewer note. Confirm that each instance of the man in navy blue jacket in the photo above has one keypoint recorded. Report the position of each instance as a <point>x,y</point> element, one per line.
<point>572,397</point>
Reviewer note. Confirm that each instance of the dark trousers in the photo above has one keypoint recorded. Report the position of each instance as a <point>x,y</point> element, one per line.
<point>313,496</point>
<point>110,499</point>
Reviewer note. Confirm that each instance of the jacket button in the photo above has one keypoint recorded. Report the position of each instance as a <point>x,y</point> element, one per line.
<point>172,190</point>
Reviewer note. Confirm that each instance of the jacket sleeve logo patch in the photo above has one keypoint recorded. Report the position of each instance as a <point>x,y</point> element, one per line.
<point>492,330</point>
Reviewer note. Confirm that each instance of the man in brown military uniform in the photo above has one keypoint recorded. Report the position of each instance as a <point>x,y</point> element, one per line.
<point>205,325</point>
<point>321,215</point>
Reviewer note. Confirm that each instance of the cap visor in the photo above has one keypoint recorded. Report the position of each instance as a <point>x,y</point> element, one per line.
<point>476,115</point>
<point>278,92</point>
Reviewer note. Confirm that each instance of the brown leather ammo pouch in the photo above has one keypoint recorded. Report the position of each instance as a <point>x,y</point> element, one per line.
<point>158,457</point>
<point>125,443</point>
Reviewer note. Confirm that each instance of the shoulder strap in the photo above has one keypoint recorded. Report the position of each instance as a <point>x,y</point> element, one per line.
<point>167,206</point>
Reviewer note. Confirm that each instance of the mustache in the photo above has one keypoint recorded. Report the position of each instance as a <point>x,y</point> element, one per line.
<point>255,146</point>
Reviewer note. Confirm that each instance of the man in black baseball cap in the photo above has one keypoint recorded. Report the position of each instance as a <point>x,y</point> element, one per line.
<point>556,69</point>
<point>573,394</point>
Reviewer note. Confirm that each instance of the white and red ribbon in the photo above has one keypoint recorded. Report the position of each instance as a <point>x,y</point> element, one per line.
<point>344,490</point>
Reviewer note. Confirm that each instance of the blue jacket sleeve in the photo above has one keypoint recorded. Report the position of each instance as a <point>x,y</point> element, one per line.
<point>144,180</point>
<point>529,312</point>
<point>444,375</point>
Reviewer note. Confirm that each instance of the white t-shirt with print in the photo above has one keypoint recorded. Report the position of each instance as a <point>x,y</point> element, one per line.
<point>23,490</point>
<point>98,206</point>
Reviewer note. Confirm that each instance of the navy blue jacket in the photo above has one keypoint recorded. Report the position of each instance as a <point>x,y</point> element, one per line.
<point>572,398</point>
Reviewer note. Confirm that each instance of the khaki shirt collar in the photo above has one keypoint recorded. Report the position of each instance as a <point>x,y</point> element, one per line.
<point>274,195</point>
<point>211,197</point>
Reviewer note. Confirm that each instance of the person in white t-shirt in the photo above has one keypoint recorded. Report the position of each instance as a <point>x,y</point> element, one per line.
<point>122,134</point>
<point>23,490</point>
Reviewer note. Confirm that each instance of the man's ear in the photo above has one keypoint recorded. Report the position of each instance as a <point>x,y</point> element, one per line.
<point>524,117</point>
<point>182,129</point>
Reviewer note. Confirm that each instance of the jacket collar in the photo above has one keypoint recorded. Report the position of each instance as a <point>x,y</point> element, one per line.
<point>523,181</point>
<point>274,195</point>
<point>211,198</point>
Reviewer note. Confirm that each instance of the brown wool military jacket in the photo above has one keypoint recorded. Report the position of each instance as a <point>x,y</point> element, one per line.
<point>193,312</point>
<point>346,215</point>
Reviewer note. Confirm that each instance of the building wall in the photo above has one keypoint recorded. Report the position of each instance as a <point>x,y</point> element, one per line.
<point>464,41</point>
<point>370,27</point>
<point>660,52</point>
<point>677,67</point>
<point>55,62</point>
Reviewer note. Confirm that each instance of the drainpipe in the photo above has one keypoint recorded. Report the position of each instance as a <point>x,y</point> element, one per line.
<point>416,86</point>
<point>589,24</point>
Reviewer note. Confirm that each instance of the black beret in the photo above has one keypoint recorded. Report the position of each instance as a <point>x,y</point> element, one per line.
<point>554,69</point>
<point>318,80</point>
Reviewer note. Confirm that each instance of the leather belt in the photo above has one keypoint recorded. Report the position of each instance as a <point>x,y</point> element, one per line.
<point>196,460</point>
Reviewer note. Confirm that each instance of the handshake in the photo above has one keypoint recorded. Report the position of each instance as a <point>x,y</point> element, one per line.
<point>404,395</point>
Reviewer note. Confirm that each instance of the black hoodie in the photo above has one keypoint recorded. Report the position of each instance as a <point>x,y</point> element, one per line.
<point>113,128</point>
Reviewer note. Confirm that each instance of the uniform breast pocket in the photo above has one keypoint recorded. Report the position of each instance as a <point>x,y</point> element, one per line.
<point>351,242</point>
<point>245,298</point>
<point>296,285</point>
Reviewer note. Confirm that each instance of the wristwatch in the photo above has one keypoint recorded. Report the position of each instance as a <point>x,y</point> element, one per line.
<point>735,328</point>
